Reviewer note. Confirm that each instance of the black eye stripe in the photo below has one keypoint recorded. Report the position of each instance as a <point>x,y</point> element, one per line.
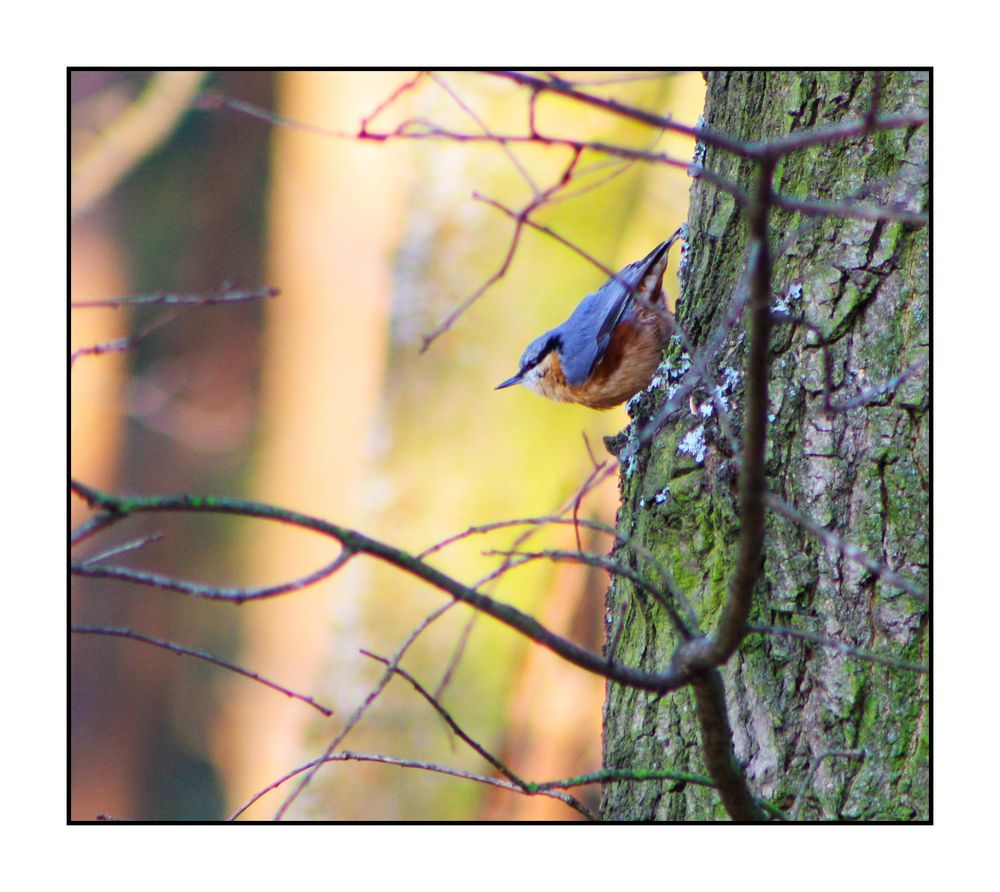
<point>553,343</point>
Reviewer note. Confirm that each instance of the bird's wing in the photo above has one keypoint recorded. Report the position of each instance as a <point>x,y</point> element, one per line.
<point>604,309</point>
<point>622,288</point>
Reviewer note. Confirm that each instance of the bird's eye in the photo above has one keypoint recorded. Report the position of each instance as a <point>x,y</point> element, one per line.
<point>537,357</point>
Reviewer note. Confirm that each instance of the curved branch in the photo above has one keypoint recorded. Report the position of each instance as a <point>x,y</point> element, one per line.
<point>644,553</point>
<point>717,748</point>
<point>564,88</point>
<point>752,487</point>
<point>201,655</point>
<point>349,756</point>
<point>210,592</point>
<point>356,716</point>
<point>357,543</point>
<point>448,720</point>
<point>614,568</point>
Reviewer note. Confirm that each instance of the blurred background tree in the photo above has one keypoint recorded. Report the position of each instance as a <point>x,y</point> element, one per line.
<point>321,401</point>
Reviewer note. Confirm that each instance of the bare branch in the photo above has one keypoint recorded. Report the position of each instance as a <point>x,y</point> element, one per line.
<point>807,780</point>
<point>449,721</point>
<point>815,208</point>
<point>665,599</point>
<point>717,749</point>
<point>765,151</point>
<point>124,548</point>
<point>610,775</point>
<point>885,387</point>
<point>183,301</point>
<point>357,543</point>
<point>414,129</point>
<point>519,219</point>
<point>564,88</point>
<point>848,549</point>
<point>752,486</point>
<point>349,756</point>
<point>457,312</point>
<point>209,592</point>
<point>349,725</point>
<point>774,149</point>
<point>697,657</point>
<point>201,655</point>
<point>462,104</point>
<point>868,656</point>
<point>618,79</point>
<point>169,299</point>
<point>458,651</point>
<point>92,526</point>
<point>120,345</point>
<point>212,100</point>
<point>405,87</point>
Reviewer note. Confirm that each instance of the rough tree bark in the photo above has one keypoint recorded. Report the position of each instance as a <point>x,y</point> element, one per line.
<point>862,473</point>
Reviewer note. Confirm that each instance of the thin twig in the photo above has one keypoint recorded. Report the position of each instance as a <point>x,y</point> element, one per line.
<point>93,525</point>
<point>183,302</point>
<point>417,129</point>
<point>212,100</point>
<point>349,756</point>
<point>885,387</point>
<point>121,345</point>
<point>355,717</point>
<point>201,655</point>
<point>520,219</point>
<point>848,549</point>
<point>868,656</point>
<point>457,652</point>
<point>610,775</point>
<point>626,540</point>
<point>707,136</point>
<point>621,79</point>
<point>814,208</point>
<point>405,87</point>
<point>357,543</point>
<point>462,104</point>
<point>449,720</point>
<point>168,299</point>
<point>456,312</point>
<point>584,489</point>
<point>210,592</point>
<point>124,548</point>
<point>807,780</point>
<point>614,568</point>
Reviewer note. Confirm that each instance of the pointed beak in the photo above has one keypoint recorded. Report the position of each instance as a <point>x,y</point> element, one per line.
<point>510,382</point>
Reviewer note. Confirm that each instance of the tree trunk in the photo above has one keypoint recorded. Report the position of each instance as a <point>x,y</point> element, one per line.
<point>822,734</point>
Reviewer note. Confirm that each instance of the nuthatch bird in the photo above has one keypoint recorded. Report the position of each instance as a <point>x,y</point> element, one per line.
<point>609,348</point>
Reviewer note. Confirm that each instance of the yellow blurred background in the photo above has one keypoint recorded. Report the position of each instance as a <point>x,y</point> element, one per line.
<point>320,400</point>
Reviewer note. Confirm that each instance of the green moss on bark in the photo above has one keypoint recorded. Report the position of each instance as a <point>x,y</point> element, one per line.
<point>862,474</point>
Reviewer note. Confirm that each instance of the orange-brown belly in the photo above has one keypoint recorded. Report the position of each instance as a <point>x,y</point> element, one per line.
<point>627,365</point>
